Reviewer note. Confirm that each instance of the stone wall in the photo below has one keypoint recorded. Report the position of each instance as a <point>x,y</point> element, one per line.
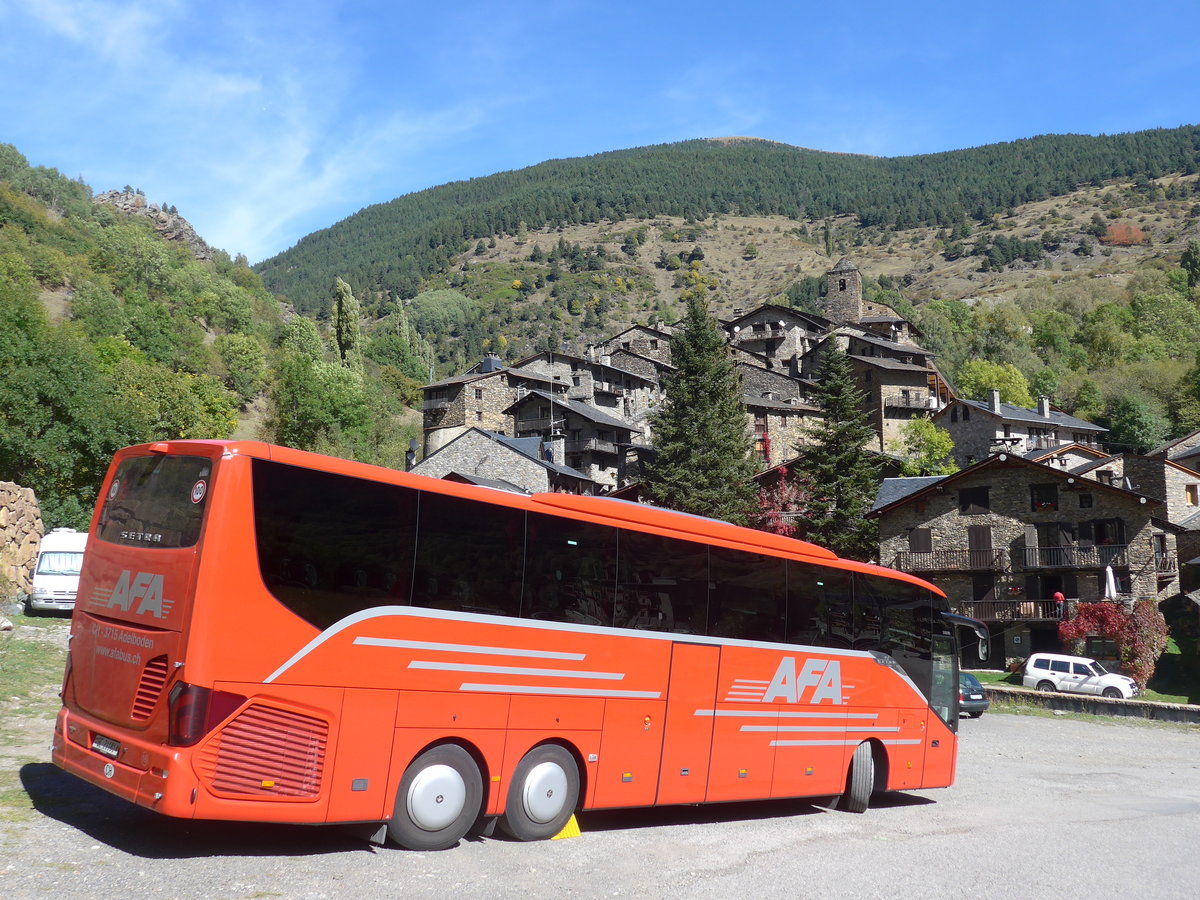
<point>21,532</point>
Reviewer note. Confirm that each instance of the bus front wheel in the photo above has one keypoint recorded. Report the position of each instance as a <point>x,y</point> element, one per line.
<point>860,781</point>
<point>542,794</point>
<point>438,801</point>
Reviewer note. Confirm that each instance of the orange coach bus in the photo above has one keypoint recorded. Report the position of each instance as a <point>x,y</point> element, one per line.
<point>264,634</point>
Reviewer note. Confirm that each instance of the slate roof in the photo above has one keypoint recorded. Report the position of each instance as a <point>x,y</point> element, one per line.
<point>844,265</point>
<point>886,362</point>
<point>1021,414</point>
<point>891,345</point>
<point>894,489</point>
<point>581,409</point>
<point>765,403</point>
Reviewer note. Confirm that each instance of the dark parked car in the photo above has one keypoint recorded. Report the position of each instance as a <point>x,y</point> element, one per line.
<point>971,698</point>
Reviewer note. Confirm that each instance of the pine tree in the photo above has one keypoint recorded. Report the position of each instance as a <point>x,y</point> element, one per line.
<point>702,459</point>
<point>844,475</point>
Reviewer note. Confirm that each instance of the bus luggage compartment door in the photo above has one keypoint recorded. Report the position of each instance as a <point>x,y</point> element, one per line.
<point>687,742</point>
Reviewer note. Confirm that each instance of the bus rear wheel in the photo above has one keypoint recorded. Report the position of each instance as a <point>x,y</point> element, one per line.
<point>542,794</point>
<point>860,781</point>
<point>438,801</point>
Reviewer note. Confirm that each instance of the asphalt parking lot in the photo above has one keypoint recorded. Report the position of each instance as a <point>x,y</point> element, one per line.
<point>1046,807</point>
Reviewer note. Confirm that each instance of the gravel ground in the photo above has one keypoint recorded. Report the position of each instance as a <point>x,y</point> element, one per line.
<point>1052,807</point>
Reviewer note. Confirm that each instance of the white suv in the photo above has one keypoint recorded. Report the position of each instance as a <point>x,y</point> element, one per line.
<point>1076,675</point>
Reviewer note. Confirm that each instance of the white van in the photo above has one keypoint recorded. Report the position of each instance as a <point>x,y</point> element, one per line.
<point>1076,675</point>
<point>56,578</point>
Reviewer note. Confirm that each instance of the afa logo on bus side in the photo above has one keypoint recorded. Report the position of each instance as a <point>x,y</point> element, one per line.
<point>145,589</point>
<point>824,676</point>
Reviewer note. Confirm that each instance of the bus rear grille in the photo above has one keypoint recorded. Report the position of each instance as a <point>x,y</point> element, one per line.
<point>267,752</point>
<point>154,676</point>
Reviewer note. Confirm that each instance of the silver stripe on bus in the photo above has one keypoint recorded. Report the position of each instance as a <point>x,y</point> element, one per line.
<point>466,648</point>
<point>749,682</point>
<point>563,691</point>
<point>797,728</point>
<point>432,666</point>
<point>852,742</point>
<point>780,714</point>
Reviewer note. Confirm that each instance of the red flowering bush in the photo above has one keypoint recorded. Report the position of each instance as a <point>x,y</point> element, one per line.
<point>1140,635</point>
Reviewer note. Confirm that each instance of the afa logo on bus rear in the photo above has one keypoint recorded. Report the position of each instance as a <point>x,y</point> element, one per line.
<point>136,592</point>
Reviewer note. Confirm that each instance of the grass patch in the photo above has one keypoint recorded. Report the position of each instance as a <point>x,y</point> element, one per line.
<point>31,670</point>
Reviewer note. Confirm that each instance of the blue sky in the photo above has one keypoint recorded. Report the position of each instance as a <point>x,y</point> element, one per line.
<point>263,121</point>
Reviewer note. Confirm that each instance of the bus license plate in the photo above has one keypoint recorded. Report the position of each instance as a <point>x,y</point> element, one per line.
<point>106,746</point>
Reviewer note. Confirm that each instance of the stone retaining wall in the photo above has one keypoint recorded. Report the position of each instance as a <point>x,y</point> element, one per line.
<point>21,532</point>
<point>1097,706</point>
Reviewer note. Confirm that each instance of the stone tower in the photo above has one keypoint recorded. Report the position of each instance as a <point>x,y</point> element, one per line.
<point>844,302</point>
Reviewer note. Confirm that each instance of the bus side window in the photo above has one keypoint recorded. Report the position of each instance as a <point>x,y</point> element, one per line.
<point>662,584</point>
<point>469,556</point>
<point>331,545</point>
<point>568,571</point>
<point>819,608</point>
<point>747,597</point>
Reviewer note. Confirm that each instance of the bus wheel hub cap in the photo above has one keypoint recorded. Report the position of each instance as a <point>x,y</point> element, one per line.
<point>545,783</point>
<point>436,797</point>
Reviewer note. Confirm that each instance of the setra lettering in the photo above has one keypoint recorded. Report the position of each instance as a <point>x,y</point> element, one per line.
<point>824,676</point>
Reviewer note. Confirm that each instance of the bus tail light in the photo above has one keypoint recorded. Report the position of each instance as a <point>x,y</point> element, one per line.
<point>194,711</point>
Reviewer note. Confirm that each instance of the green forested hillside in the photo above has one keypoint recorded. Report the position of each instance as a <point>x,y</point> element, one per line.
<point>392,247</point>
<point>112,335</point>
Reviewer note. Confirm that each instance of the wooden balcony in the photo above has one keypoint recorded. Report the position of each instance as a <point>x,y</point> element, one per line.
<point>912,400</point>
<point>1075,557</point>
<point>1016,610</point>
<point>591,445</point>
<point>951,561</point>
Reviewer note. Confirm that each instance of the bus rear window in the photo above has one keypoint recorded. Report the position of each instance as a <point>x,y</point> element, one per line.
<point>156,501</point>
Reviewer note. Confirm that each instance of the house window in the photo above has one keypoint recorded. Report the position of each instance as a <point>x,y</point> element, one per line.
<point>1100,647</point>
<point>869,373</point>
<point>1193,494</point>
<point>1043,497</point>
<point>654,344</point>
<point>966,414</point>
<point>974,501</point>
<point>1085,501</point>
<point>1105,476</point>
<point>954,414</point>
<point>478,415</point>
<point>841,284</point>
<point>478,393</point>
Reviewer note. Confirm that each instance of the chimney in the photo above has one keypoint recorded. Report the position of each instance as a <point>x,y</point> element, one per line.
<point>995,404</point>
<point>1043,406</point>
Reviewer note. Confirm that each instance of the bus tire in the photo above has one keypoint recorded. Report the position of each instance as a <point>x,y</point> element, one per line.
<point>439,799</point>
<point>542,794</point>
<point>860,780</point>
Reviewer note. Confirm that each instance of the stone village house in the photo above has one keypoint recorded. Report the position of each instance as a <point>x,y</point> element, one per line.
<point>1002,536</point>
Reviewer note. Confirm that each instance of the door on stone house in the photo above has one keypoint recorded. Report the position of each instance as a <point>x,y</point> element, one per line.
<point>979,546</point>
<point>983,595</point>
<point>1049,544</point>
<point>920,541</point>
